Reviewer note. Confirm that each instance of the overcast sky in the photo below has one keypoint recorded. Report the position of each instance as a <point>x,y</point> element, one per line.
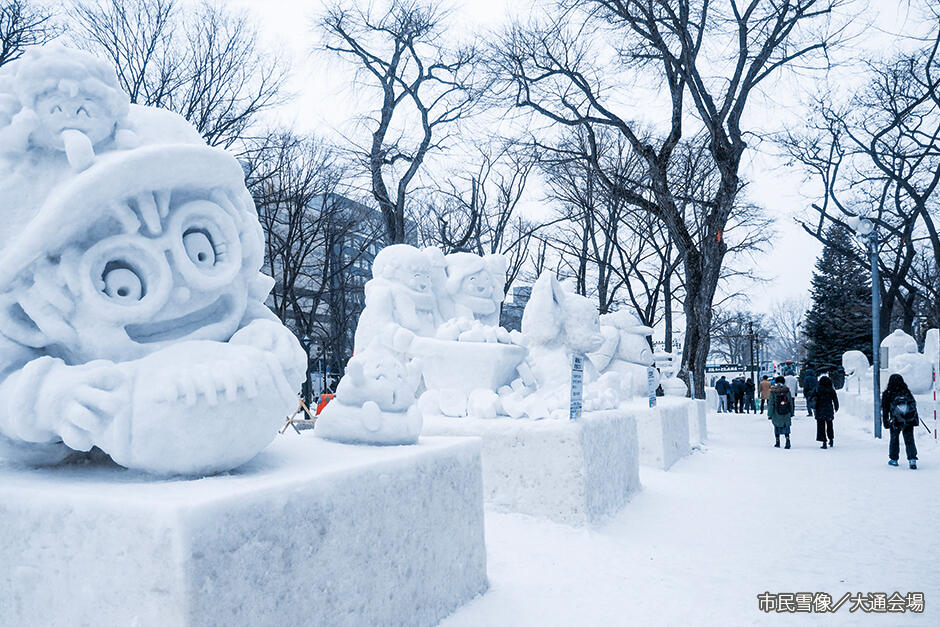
<point>326,103</point>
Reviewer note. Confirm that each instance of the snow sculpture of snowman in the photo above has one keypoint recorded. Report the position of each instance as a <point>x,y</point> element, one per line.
<point>131,301</point>
<point>375,399</point>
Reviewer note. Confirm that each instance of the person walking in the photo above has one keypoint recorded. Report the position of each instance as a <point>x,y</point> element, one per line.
<point>827,404</point>
<point>780,410</point>
<point>722,388</point>
<point>764,392</point>
<point>899,414</point>
<point>737,389</point>
<point>749,395</point>
<point>810,385</point>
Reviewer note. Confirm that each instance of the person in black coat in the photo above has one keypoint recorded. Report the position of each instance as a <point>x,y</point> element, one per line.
<point>738,388</point>
<point>749,396</point>
<point>827,404</point>
<point>895,397</point>
<point>810,385</point>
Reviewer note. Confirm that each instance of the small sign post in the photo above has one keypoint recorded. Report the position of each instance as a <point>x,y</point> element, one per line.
<point>651,384</point>
<point>577,385</point>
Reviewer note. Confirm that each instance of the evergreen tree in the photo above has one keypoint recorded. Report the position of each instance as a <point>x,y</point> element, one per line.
<point>840,318</point>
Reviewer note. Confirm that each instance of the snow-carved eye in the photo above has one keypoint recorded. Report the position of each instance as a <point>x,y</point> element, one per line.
<point>56,109</point>
<point>122,284</point>
<point>82,111</point>
<point>199,248</point>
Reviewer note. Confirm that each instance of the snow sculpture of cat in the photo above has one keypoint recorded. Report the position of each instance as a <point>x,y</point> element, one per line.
<point>556,325</point>
<point>131,301</point>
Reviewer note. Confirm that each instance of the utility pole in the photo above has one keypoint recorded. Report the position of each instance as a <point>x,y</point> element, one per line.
<point>750,337</point>
<point>875,330</point>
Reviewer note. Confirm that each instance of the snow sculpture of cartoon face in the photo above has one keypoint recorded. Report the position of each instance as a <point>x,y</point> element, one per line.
<point>131,310</point>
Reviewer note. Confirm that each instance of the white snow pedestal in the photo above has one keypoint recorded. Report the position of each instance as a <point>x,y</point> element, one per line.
<point>663,430</point>
<point>571,471</point>
<point>698,422</point>
<point>309,533</point>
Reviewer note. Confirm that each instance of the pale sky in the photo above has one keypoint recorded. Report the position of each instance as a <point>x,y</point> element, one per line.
<point>326,104</point>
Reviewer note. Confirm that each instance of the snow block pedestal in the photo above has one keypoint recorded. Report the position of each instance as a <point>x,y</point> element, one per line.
<point>663,431</point>
<point>570,471</point>
<point>698,421</point>
<point>308,533</point>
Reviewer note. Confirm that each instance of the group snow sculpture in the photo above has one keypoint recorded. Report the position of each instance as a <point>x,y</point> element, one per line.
<point>904,359</point>
<point>429,342</point>
<point>131,298</point>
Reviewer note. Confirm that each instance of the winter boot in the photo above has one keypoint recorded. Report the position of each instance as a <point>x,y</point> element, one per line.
<point>787,445</point>
<point>831,445</point>
<point>777,439</point>
<point>892,462</point>
<point>913,463</point>
<point>824,445</point>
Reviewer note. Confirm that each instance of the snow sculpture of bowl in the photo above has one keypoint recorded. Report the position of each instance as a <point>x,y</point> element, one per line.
<point>469,365</point>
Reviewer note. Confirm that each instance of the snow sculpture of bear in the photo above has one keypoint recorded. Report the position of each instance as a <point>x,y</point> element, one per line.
<point>556,325</point>
<point>375,399</point>
<point>131,302</point>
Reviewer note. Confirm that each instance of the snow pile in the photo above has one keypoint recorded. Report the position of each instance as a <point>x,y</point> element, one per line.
<point>574,472</point>
<point>308,533</point>
<point>663,430</point>
<point>131,299</point>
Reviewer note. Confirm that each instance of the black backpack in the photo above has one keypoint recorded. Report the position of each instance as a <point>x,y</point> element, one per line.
<point>782,404</point>
<point>903,410</point>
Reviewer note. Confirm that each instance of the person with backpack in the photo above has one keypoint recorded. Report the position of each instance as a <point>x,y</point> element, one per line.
<point>810,385</point>
<point>749,395</point>
<point>827,404</point>
<point>764,392</point>
<point>899,414</point>
<point>780,410</point>
<point>722,389</point>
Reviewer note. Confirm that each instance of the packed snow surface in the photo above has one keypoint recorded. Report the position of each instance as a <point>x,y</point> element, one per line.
<point>738,519</point>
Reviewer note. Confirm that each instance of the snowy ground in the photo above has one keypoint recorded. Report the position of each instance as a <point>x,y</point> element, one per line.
<point>739,518</point>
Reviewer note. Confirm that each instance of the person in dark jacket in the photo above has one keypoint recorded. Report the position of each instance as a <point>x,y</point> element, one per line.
<point>780,410</point>
<point>737,389</point>
<point>827,404</point>
<point>810,385</point>
<point>749,395</point>
<point>899,414</point>
<point>722,389</point>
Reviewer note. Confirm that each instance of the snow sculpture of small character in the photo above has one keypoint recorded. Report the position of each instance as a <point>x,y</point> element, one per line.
<point>375,398</point>
<point>555,325</point>
<point>857,371</point>
<point>474,287</point>
<point>58,109</point>
<point>905,360</point>
<point>671,384</point>
<point>132,316</point>
<point>625,351</point>
<point>375,401</point>
<point>400,302</point>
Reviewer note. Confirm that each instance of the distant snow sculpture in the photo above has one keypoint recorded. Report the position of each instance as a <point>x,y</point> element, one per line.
<point>903,359</point>
<point>671,384</point>
<point>131,299</point>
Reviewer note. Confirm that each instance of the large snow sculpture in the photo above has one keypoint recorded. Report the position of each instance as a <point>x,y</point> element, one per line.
<point>131,302</point>
<point>375,398</point>
<point>905,360</point>
<point>555,326</point>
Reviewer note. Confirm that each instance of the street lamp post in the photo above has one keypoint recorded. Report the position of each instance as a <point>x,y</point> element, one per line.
<point>305,390</point>
<point>866,228</point>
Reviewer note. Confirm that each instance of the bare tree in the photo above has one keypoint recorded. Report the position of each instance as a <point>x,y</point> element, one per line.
<point>785,325</point>
<point>23,24</point>
<point>424,89</point>
<point>202,61</point>
<point>716,56</point>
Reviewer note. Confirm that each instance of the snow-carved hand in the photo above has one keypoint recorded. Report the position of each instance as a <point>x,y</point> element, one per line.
<point>80,402</point>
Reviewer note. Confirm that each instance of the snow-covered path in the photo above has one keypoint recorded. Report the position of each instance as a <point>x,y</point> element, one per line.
<point>739,518</point>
